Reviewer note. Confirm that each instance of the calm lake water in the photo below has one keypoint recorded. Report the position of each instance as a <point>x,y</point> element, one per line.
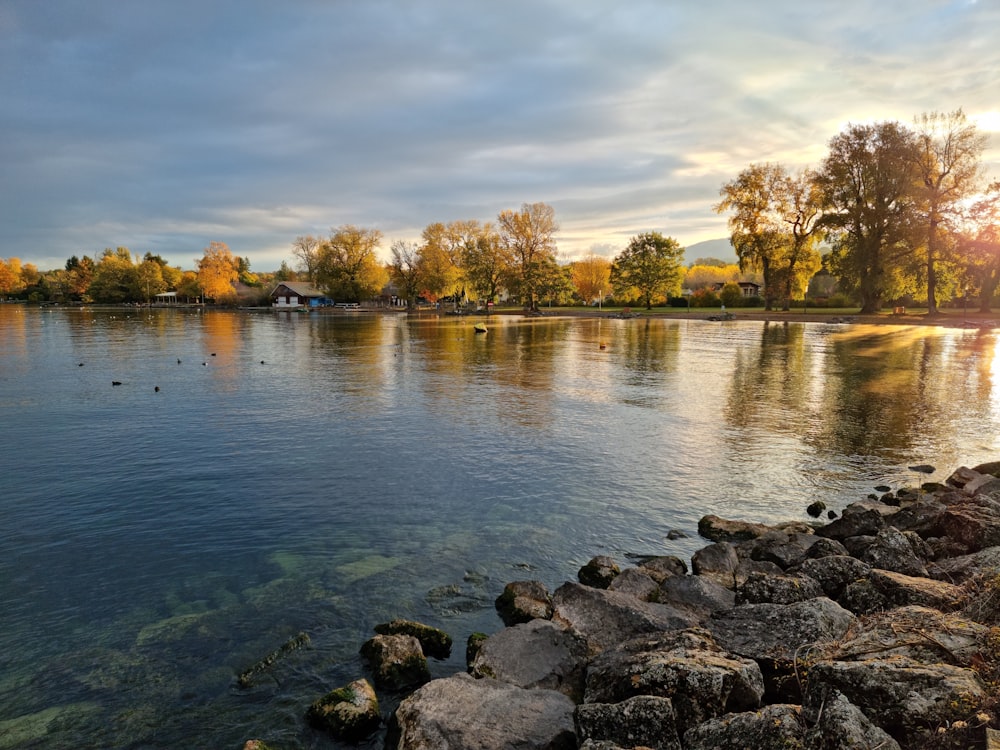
<point>322,473</point>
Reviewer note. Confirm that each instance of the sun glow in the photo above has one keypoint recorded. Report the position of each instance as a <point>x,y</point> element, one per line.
<point>987,121</point>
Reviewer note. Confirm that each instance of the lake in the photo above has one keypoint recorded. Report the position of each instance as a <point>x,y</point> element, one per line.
<point>258,474</point>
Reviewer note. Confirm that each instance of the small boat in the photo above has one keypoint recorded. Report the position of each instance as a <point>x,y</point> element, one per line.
<point>479,328</point>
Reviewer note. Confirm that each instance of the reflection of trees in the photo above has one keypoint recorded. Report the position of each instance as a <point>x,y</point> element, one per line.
<point>649,350</point>
<point>776,374</point>
<point>13,330</point>
<point>350,351</point>
<point>222,343</point>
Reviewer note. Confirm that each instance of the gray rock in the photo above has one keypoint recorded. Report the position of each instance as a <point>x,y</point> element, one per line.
<point>698,595</point>
<point>959,569</point>
<point>962,476</point>
<point>761,588</point>
<point>719,529</point>
<point>900,695</point>
<point>688,667</point>
<point>522,601</point>
<point>349,713</point>
<point>918,633</point>
<point>901,589</point>
<point>973,521</point>
<point>775,727</point>
<point>922,517</point>
<point>862,598</point>
<point>644,720</point>
<point>780,548</point>
<point>661,568</point>
<point>434,641</point>
<point>777,631</point>
<point>824,547</point>
<point>890,550</point>
<point>463,712</point>
<point>397,661</point>
<point>854,521</point>
<point>858,545</point>
<point>635,582</point>
<point>537,654</point>
<point>840,725</point>
<point>606,618</point>
<point>835,572</point>
<point>718,562</point>
<point>599,572</point>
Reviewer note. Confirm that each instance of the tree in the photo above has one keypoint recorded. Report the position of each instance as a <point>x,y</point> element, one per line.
<point>348,267</point>
<point>438,261</point>
<point>528,238</point>
<point>649,267</point>
<point>115,277</point>
<point>284,273</point>
<point>486,263</point>
<point>591,277</point>
<point>867,182</point>
<point>148,280</point>
<point>10,276</point>
<point>774,225</point>
<point>979,242</point>
<point>948,169</point>
<point>307,249</point>
<point>80,273</point>
<point>555,283</point>
<point>404,270</point>
<point>702,276</point>
<point>188,286</point>
<point>218,272</point>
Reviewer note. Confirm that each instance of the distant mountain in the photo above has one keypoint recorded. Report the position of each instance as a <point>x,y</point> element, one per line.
<point>720,248</point>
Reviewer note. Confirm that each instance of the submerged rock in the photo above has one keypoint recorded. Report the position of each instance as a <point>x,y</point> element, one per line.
<point>349,713</point>
<point>433,641</point>
<point>463,712</point>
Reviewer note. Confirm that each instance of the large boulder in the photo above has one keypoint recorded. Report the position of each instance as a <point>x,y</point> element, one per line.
<point>899,589</point>
<point>855,521</point>
<point>698,595</point>
<point>663,567</point>
<point>688,667</point>
<point>922,516</point>
<point>635,582</point>
<point>902,696</point>
<point>782,548</point>
<point>606,618</point>
<point>760,588</point>
<point>778,631</point>
<point>397,661</point>
<point>723,563</point>
<point>775,727</point>
<point>463,712</point>
<point>349,713</point>
<point>599,572</point>
<point>644,720</point>
<point>537,654</point>
<point>840,725</point>
<point>835,572</point>
<point>918,633</point>
<point>891,550</point>
<point>523,601</point>
<point>973,521</point>
<point>719,529</point>
<point>981,564</point>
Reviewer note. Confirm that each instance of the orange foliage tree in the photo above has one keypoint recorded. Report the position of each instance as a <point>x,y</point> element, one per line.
<point>218,272</point>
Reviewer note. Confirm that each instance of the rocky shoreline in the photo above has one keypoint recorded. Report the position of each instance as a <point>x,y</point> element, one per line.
<point>879,628</point>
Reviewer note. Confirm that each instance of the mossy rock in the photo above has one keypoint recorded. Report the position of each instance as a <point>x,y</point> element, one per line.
<point>349,713</point>
<point>473,646</point>
<point>435,642</point>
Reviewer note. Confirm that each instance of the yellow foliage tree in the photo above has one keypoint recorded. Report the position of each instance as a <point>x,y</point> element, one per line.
<point>591,277</point>
<point>218,272</point>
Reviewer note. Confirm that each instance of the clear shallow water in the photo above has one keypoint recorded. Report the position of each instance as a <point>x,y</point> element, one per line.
<point>155,544</point>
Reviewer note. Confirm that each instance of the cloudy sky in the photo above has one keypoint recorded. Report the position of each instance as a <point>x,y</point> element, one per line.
<point>163,125</point>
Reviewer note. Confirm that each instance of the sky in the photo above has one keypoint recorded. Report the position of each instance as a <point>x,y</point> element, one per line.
<point>164,125</point>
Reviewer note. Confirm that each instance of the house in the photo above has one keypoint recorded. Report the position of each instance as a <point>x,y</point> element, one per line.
<point>749,288</point>
<point>289,294</point>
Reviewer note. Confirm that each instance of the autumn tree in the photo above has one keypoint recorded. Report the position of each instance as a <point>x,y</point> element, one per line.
<point>867,181</point>
<point>218,272</point>
<point>439,260</point>
<point>307,249</point>
<point>188,286</point>
<point>979,242</point>
<point>80,272</point>
<point>649,268</point>
<point>148,280</point>
<point>115,277</point>
<point>702,275</point>
<point>801,209</point>
<point>947,155</point>
<point>348,267</point>
<point>528,238</point>
<point>591,277</point>
<point>487,263</point>
<point>404,270</point>
<point>10,276</point>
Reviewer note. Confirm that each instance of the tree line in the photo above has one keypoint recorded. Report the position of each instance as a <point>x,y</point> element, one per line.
<point>892,212</point>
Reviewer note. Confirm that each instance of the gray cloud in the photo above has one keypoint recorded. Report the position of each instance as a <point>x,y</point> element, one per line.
<point>166,125</point>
